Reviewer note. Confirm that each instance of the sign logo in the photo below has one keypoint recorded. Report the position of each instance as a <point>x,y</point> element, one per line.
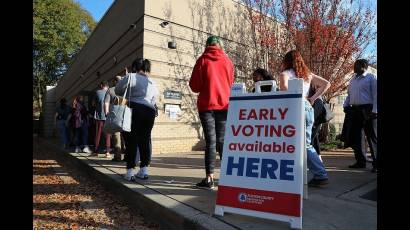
<point>242,197</point>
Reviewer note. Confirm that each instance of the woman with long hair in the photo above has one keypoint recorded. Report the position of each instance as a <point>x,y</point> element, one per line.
<point>295,68</point>
<point>80,123</point>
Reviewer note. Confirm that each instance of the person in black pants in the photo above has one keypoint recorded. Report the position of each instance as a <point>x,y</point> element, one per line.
<point>212,77</point>
<point>361,103</point>
<point>142,93</point>
<point>142,123</point>
<point>213,123</point>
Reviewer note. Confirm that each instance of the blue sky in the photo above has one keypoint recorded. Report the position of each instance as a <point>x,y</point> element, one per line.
<point>97,8</point>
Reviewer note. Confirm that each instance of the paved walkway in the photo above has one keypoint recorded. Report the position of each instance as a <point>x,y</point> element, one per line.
<point>170,195</point>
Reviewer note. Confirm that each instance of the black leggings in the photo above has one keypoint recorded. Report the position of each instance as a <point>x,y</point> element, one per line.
<point>143,118</point>
<point>213,123</point>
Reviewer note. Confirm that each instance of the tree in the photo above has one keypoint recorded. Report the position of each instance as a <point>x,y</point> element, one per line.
<point>330,34</point>
<point>60,29</point>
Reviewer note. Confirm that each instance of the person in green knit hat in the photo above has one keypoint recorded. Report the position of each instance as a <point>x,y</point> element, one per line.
<point>212,77</point>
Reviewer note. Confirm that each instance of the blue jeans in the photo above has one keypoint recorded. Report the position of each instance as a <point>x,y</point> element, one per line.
<point>81,135</point>
<point>62,129</point>
<point>313,161</point>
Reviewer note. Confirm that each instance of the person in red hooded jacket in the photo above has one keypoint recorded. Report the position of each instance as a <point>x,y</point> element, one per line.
<point>212,77</point>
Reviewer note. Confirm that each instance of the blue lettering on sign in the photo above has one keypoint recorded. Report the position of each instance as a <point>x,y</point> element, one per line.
<point>250,166</point>
<point>266,167</point>
<point>238,166</point>
<point>284,169</point>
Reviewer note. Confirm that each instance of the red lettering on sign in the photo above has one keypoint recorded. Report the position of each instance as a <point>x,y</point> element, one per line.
<point>242,114</point>
<point>236,132</point>
<point>283,113</point>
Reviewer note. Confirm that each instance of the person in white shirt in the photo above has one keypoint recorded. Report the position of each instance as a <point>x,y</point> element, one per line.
<point>295,68</point>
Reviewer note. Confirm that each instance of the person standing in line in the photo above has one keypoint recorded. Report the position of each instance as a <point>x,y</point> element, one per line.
<point>361,102</point>
<point>99,116</point>
<point>142,93</point>
<point>79,121</point>
<point>262,75</point>
<point>109,100</point>
<point>295,68</point>
<point>60,120</point>
<point>212,77</point>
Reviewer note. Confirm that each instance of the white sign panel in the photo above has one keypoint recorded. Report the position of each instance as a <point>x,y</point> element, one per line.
<point>262,162</point>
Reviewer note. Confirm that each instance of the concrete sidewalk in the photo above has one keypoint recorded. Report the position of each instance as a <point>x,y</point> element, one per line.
<point>169,198</point>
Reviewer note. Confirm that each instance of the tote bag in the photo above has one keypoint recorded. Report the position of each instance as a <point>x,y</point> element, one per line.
<point>119,117</point>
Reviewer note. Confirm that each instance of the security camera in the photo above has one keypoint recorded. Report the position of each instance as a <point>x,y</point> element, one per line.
<point>164,24</point>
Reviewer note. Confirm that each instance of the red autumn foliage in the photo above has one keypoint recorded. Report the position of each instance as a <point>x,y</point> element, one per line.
<point>330,34</point>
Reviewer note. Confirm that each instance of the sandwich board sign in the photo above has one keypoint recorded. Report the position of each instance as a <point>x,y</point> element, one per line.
<point>262,168</point>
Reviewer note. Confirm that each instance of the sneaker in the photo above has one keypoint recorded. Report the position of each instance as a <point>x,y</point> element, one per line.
<point>357,166</point>
<point>205,184</point>
<point>108,155</point>
<point>318,182</point>
<point>77,150</point>
<point>86,150</point>
<point>129,175</point>
<point>142,173</point>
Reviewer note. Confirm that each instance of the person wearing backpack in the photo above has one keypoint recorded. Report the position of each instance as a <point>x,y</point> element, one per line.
<point>60,120</point>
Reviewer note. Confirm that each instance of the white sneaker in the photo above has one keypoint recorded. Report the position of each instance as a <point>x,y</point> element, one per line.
<point>86,150</point>
<point>142,173</point>
<point>77,150</point>
<point>129,175</point>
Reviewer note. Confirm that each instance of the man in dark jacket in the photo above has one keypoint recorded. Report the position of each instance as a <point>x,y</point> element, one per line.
<point>212,77</point>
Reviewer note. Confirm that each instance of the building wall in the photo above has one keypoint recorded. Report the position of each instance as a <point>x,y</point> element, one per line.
<point>191,22</point>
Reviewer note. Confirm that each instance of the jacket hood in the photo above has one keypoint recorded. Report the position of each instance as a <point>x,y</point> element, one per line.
<point>213,53</point>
